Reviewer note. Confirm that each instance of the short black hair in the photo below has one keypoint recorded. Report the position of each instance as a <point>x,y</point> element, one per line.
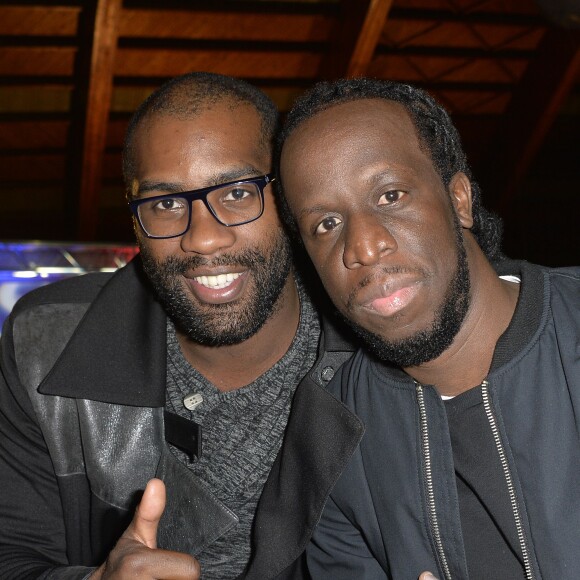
<point>435,130</point>
<point>185,96</point>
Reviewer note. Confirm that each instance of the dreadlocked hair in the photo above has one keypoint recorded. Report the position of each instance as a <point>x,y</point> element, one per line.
<point>436,133</point>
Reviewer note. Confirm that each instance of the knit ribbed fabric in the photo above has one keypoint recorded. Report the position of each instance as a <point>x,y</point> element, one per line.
<point>242,434</point>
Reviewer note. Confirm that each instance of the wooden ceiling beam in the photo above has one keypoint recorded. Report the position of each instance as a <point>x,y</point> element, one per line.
<point>38,20</point>
<point>355,38</point>
<point>91,109</point>
<point>501,17</point>
<point>532,110</point>
<point>134,62</point>
<point>263,25</point>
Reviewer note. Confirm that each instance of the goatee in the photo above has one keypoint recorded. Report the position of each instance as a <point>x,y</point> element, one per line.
<point>231,322</point>
<point>428,344</point>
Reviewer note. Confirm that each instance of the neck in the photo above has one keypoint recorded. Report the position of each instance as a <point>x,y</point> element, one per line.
<point>466,363</point>
<point>233,366</point>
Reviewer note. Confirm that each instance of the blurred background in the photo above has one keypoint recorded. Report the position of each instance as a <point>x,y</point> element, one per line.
<point>72,72</point>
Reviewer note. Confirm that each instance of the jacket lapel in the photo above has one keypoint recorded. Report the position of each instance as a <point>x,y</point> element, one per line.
<point>117,353</point>
<point>321,436</point>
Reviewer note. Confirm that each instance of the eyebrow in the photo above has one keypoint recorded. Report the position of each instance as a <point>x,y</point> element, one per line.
<point>373,180</point>
<point>311,210</point>
<point>246,172</point>
<point>381,175</point>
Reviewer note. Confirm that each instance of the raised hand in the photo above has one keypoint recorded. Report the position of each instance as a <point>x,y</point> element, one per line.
<point>136,554</point>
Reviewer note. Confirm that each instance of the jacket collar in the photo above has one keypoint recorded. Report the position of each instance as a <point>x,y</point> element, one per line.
<point>529,313</point>
<point>117,354</point>
<point>337,336</point>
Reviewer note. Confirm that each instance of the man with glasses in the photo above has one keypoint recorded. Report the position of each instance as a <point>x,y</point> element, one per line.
<point>176,374</point>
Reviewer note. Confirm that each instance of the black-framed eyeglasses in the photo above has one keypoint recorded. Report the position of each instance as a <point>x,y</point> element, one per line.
<point>231,204</point>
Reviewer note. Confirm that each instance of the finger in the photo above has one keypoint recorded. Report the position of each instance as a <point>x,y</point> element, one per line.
<point>427,576</point>
<point>127,562</point>
<point>143,528</point>
<point>161,565</point>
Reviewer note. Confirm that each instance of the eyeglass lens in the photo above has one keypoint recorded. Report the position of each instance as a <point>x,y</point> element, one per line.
<point>231,205</point>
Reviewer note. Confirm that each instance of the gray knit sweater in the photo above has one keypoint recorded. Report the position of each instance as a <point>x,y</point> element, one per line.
<point>242,434</point>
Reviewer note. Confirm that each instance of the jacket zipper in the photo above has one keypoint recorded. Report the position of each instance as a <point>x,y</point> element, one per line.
<point>509,481</point>
<point>432,513</point>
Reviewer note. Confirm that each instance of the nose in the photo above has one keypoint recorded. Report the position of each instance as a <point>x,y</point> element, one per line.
<point>367,240</point>
<point>206,235</point>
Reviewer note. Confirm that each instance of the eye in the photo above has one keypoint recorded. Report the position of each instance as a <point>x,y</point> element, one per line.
<point>391,196</point>
<point>327,225</point>
<point>169,204</point>
<point>236,194</point>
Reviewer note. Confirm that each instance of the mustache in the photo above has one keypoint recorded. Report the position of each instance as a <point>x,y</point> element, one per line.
<point>377,275</point>
<point>246,258</point>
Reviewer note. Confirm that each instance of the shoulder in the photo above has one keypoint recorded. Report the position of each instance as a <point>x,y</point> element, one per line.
<point>560,283</point>
<point>355,373</point>
<point>522,269</point>
<point>559,291</point>
<point>71,297</point>
<point>565,277</point>
<point>85,288</point>
<point>552,281</point>
<point>564,296</point>
<point>77,289</point>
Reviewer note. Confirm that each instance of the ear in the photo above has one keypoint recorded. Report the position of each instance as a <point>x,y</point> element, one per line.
<point>460,192</point>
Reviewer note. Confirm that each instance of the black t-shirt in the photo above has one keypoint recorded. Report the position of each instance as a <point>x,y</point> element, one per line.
<point>489,531</point>
<point>487,522</point>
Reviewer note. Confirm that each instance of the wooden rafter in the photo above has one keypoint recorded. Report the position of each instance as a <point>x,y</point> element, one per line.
<point>93,102</point>
<point>355,38</point>
<point>58,136</point>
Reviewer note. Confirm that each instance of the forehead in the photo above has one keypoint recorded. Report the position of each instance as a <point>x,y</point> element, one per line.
<point>352,143</point>
<point>364,124</point>
<point>221,132</point>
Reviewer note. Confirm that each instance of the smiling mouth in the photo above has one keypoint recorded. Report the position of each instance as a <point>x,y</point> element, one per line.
<point>217,282</point>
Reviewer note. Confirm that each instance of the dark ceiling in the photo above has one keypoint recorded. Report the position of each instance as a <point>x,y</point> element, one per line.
<point>72,73</point>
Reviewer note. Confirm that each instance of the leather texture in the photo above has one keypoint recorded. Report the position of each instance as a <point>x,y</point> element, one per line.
<point>188,500</point>
<point>121,447</point>
<point>90,354</point>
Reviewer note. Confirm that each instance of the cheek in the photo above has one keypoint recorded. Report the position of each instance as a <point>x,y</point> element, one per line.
<point>143,241</point>
<point>320,256</point>
<point>260,235</point>
<point>336,287</point>
<point>428,235</point>
<point>332,273</point>
<point>159,250</point>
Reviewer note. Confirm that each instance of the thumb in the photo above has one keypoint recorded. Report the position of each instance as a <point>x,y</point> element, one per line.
<point>148,513</point>
<point>427,576</point>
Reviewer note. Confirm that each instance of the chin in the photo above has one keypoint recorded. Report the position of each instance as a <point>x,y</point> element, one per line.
<point>400,326</point>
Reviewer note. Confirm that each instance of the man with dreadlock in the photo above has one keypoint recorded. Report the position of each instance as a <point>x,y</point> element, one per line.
<point>469,380</point>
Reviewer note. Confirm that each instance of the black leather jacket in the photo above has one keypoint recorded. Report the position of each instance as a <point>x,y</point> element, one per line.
<point>82,393</point>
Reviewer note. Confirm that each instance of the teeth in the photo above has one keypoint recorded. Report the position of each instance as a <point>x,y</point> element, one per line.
<point>217,282</point>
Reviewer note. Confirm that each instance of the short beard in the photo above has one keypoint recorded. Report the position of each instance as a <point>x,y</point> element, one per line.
<point>428,344</point>
<point>232,322</point>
